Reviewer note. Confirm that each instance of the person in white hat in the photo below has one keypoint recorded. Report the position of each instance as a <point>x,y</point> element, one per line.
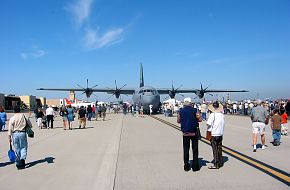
<point>216,125</point>
<point>188,117</point>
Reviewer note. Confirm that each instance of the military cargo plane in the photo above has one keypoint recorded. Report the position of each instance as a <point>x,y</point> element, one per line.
<point>143,95</point>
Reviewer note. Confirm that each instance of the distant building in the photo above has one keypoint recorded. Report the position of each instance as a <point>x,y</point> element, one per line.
<point>29,101</point>
<point>53,102</point>
<point>41,102</point>
<point>2,100</point>
<point>11,101</point>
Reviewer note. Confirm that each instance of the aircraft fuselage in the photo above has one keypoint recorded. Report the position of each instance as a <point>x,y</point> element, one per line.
<point>146,96</point>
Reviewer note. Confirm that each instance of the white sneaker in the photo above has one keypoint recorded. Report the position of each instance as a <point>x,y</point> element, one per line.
<point>254,148</point>
<point>263,147</point>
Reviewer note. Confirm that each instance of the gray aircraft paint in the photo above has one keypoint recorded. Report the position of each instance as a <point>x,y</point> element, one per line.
<point>144,95</point>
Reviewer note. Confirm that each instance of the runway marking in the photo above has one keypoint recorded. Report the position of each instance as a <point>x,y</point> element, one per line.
<point>276,173</point>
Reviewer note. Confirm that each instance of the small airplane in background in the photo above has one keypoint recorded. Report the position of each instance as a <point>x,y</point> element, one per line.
<point>143,95</point>
<point>78,104</point>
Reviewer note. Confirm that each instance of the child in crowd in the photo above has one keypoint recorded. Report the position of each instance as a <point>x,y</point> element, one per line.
<point>276,127</point>
<point>284,127</point>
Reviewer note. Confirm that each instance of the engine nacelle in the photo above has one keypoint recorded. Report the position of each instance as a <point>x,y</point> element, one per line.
<point>200,94</point>
<point>171,94</point>
<point>88,92</point>
<point>117,95</point>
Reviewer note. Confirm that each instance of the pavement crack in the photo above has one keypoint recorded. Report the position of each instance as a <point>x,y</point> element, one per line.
<point>117,161</point>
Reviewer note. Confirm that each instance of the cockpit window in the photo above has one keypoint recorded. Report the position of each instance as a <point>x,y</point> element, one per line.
<point>152,91</point>
<point>147,90</point>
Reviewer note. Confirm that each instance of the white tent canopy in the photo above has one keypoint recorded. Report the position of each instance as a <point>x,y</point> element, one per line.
<point>172,101</point>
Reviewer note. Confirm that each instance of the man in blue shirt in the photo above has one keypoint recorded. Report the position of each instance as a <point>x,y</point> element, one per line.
<point>188,118</point>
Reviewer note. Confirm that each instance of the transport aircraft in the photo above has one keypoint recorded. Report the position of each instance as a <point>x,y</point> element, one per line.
<point>143,95</point>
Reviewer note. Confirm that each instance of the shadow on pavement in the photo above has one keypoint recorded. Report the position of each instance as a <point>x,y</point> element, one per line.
<point>201,161</point>
<point>49,160</point>
<point>6,164</point>
<point>82,128</point>
<point>225,159</point>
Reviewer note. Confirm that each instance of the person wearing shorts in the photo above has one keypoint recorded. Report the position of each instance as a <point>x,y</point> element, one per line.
<point>258,128</point>
<point>258,116</point>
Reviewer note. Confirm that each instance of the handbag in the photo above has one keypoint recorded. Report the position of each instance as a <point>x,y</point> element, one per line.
<point>28,130</point>
<point>11,154</point>
<point>208,133</point>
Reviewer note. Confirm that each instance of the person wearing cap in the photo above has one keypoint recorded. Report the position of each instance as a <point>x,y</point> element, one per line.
<point>188,117</point>
<point>16,133</point>
<point>259,116</point>
<point>216,124</point>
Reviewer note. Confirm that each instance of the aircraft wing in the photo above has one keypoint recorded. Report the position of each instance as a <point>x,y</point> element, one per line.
<point>113,91</point>
<point>107,90</point>
<point>195,91</point>
<point>62,89</point>
<point>206,91</point>
<point>167,90</point>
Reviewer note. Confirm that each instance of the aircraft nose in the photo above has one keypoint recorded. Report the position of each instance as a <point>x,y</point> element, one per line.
<point>150,100</point>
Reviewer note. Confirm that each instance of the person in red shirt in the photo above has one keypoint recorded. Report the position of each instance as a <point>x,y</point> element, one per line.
<point>284,127</point>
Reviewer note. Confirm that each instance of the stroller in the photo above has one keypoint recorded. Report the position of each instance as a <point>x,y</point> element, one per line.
<point>44,122</point>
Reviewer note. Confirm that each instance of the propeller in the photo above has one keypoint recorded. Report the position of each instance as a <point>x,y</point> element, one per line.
<point>200,93</point>
<point>88,91</point>
<point>173,91</point>
<point>117,91</point>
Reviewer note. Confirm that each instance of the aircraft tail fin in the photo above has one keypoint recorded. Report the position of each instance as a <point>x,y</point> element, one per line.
<point>141,76</point>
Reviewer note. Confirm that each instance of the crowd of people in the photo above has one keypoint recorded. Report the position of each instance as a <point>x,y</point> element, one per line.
<point>68,114</point>
<point>261,113</point>
<point>189,116</point>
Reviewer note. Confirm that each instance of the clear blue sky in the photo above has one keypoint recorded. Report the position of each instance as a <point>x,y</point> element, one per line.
<point>227,44</point>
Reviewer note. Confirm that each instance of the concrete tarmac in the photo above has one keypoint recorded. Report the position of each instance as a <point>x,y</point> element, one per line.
<point>126,152</point>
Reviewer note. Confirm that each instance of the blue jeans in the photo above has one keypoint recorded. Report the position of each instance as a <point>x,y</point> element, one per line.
<point>89,116</point>
<point>2,126</point>
<point>276,135</point>
<point>203,115</point>
<point>20,145</point>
